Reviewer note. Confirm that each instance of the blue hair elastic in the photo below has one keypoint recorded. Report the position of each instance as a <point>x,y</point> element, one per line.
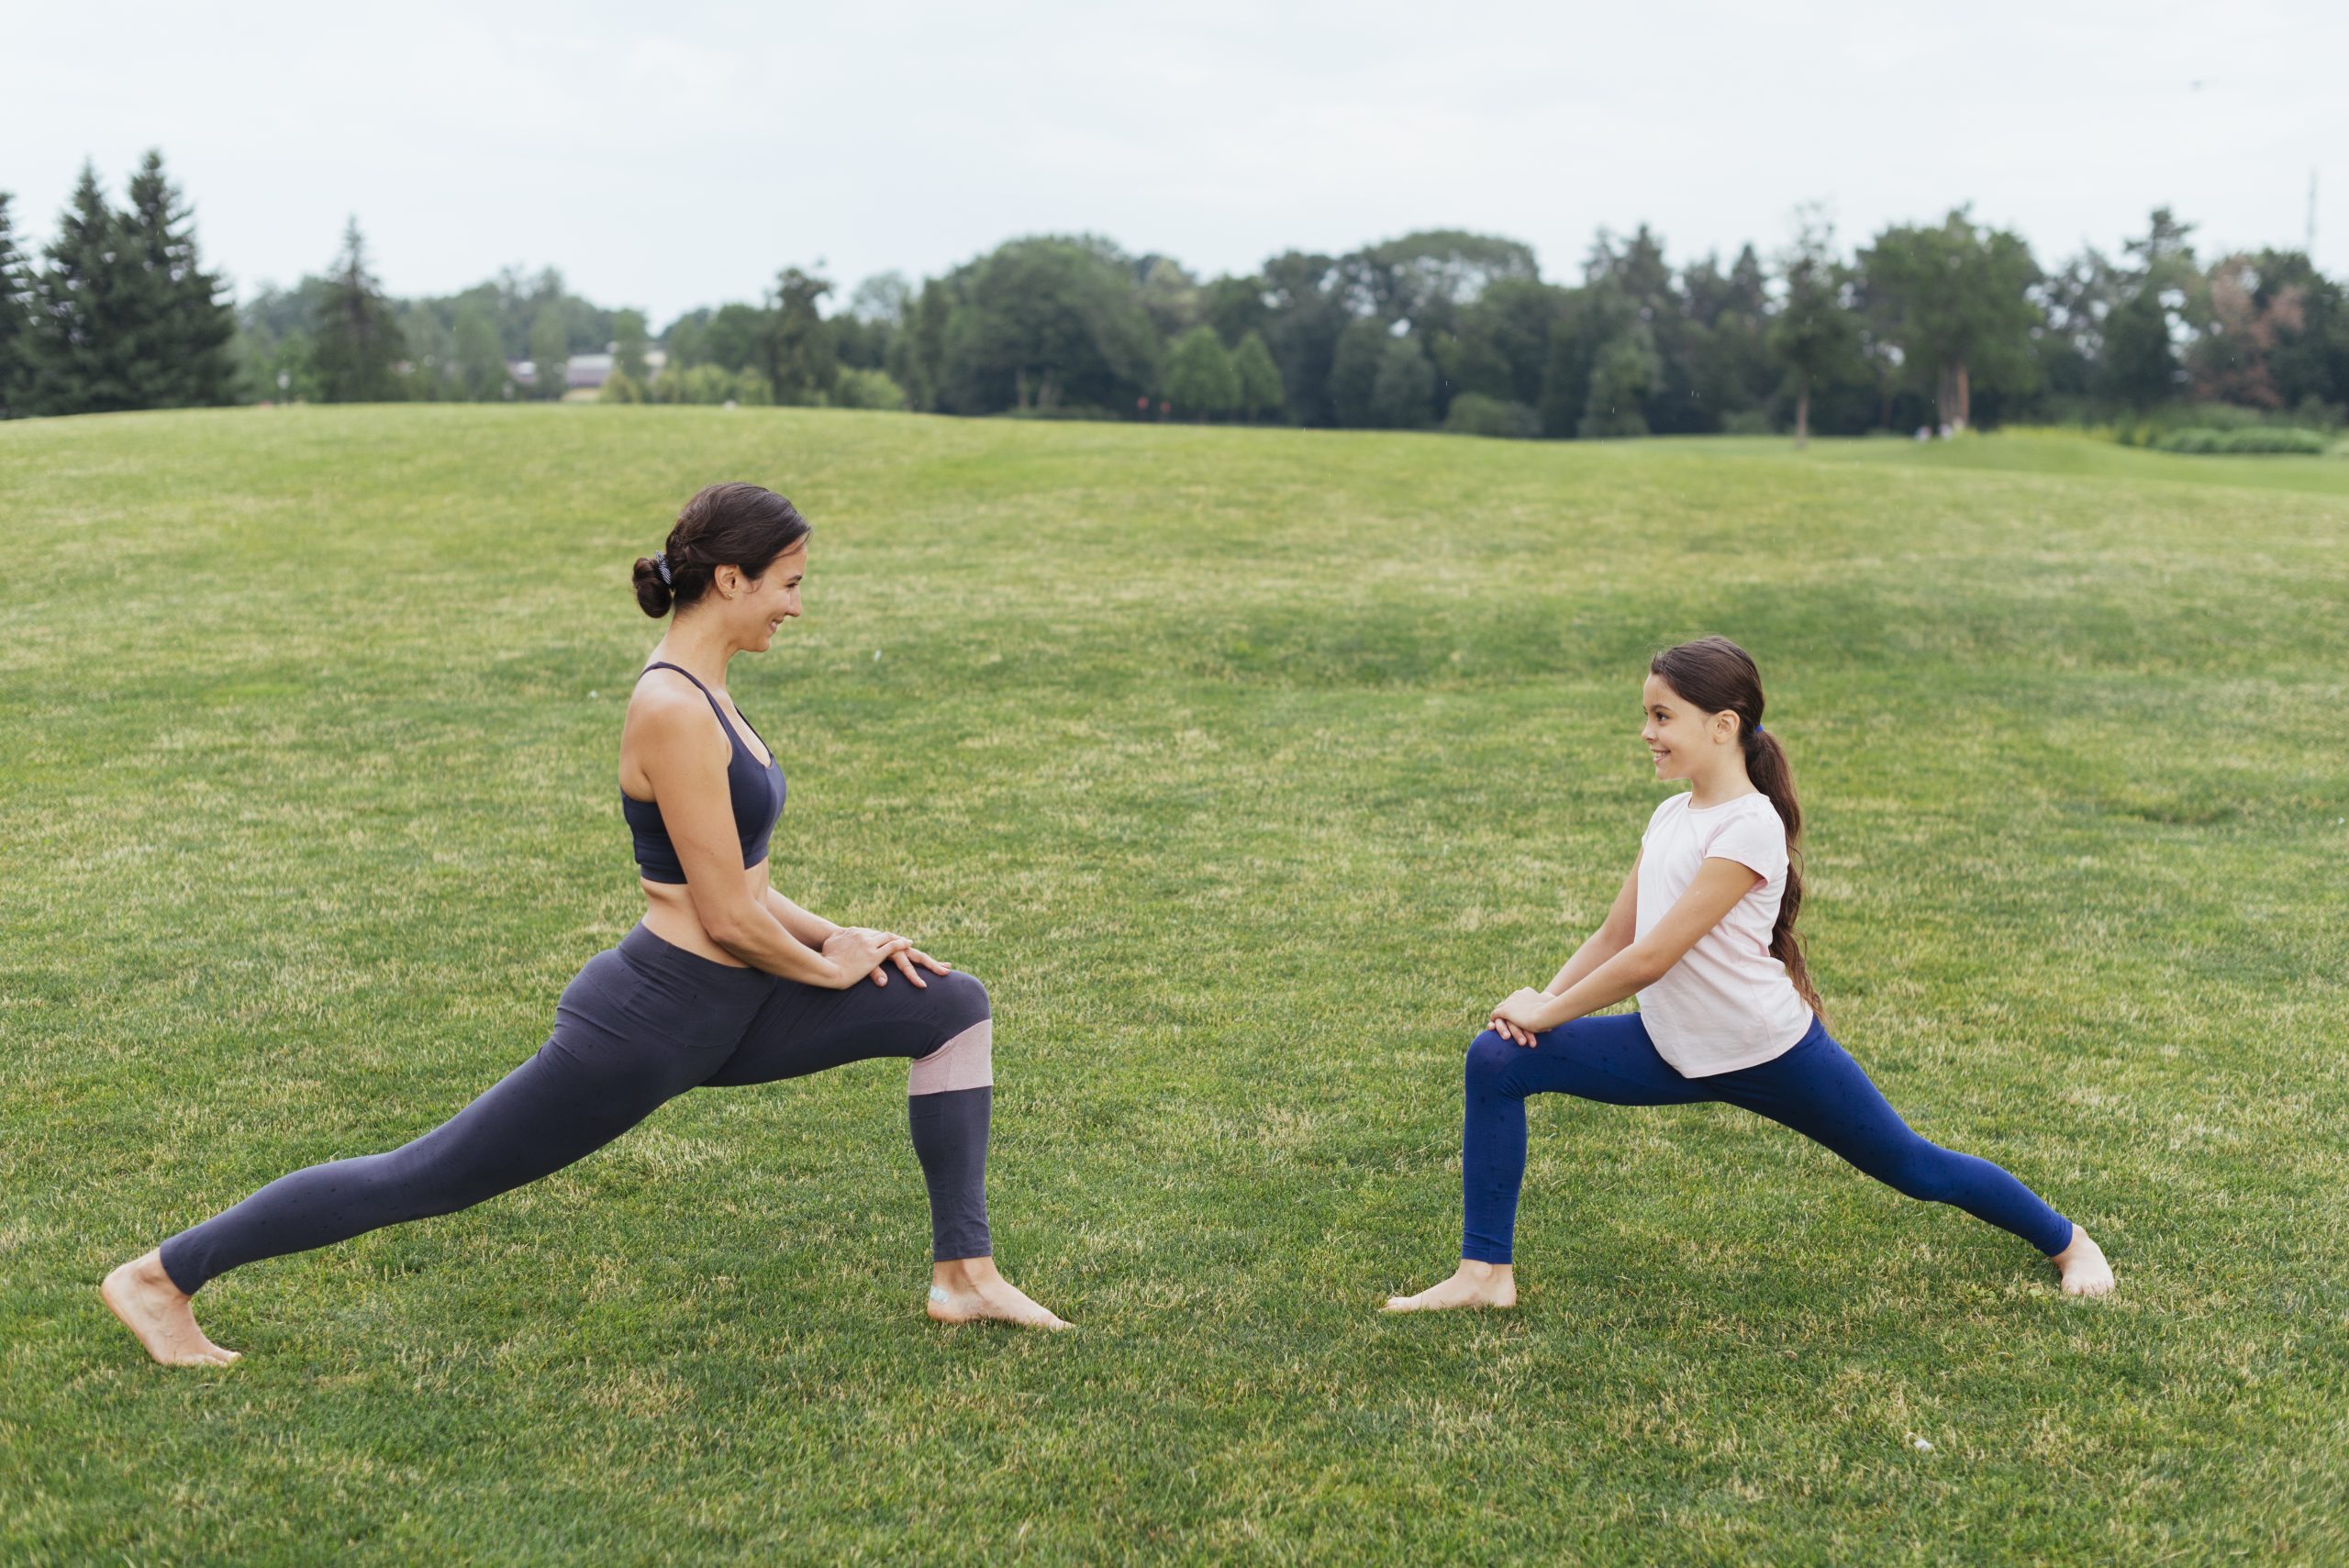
<point>661,564</point>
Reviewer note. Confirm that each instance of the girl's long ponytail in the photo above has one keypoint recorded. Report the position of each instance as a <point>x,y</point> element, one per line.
<point>1767,765</point>
<point>1717,676</point>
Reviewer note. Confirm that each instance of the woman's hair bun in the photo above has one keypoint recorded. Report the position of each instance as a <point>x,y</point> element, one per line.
<point>650,592</point>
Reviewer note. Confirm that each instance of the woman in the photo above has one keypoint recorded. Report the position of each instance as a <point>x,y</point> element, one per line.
<point>1704,932</point>
<point>725,981</point>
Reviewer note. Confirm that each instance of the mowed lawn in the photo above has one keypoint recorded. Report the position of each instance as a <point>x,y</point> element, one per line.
<point>1247,768</point>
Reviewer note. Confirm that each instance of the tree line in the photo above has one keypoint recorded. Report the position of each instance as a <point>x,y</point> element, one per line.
<point>1947,324</point>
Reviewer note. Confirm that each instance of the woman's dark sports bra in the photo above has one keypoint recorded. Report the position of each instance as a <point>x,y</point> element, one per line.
<point>757,793</point>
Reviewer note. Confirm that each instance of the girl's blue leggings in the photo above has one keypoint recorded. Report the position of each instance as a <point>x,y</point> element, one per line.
<point>1814,1088</point>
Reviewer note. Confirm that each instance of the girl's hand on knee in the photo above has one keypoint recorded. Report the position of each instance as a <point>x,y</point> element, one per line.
<point>1519,1019</point>
<point>1513,1033</point>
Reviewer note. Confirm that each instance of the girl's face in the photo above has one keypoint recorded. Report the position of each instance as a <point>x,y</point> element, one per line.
<point>1683,740</point>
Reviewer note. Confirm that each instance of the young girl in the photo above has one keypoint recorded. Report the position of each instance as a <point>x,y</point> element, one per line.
<point>1703,930</point>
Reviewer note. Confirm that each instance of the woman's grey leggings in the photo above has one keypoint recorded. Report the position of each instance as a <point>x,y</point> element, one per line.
<point>641,1024</point>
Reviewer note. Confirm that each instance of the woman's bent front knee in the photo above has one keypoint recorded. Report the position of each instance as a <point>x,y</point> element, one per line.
<point>965,1058</point>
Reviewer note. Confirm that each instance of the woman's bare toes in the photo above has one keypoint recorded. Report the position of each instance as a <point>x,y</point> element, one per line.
<point>157,1311</point>
<point>995,1300</point>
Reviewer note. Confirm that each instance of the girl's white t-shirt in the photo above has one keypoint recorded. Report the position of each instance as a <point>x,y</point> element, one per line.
<point>1727,1004</point>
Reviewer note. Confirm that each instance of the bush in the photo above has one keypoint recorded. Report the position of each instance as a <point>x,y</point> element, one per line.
<point>1063,411</point>
<point>2242,441</point>
<point>1475,413</point>
<point>622,389</point>
<point>867,389</point>
<point>1747,422</point>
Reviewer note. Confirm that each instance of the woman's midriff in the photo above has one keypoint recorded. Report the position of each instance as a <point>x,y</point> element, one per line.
<point>668,915</point>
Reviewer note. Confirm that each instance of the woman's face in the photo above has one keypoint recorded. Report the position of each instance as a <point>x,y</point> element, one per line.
<point>766,601</point>
<point>1680,737</point>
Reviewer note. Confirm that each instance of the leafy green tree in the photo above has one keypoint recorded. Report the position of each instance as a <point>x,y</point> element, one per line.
<point>1234,307</point>
<point>1403,395</point>
<point>735,338</point>
<point>1260,378</point>
<point>621,387</point>
<point>1591,317</point>
<point>550,354</point>
<point>1353,373</point>
<point>2308,359</point>
<point>1046,322</point>
<point>1814,335</point>
<point>1201,381</point>
<point>1426,277</point>
<point>917,356</point>
<point>1957,298</point>
<point>2139,367</point>
<point>1169,297</point>
<point>1513,316</point>
<point>480,357</point>
<point>185,325</point>
<point>627,347</point>
<point>800,359</point>
<point>15,317</point>
<point>356,342</point>
<point>1626,371</point>
<point>685,341</point>
<point>1306,296</point>
<point>85,347</point>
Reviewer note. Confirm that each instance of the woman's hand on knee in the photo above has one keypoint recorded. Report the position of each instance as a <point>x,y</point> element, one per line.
<point>909,958</point>
<point>862,954</point>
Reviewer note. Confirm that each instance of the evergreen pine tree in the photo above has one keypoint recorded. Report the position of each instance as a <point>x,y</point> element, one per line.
<point>86,303</point>
<point>357,339</point>
<point>16,317</point>
<point>185,327</point>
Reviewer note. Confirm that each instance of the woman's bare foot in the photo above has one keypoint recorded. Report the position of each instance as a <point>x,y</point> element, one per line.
<point>1476,1284</point>
<point>2084,1270</point>
<point>155,1309</point>
<point>968,1289</point>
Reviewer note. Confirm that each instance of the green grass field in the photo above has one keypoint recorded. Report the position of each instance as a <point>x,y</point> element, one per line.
<point>1246,767</point>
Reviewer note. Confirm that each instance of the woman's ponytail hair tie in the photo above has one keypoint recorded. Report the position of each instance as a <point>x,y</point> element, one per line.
<point>661,564</point>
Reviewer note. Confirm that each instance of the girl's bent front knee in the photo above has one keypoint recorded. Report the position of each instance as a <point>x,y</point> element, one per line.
<point>1490,1055</point>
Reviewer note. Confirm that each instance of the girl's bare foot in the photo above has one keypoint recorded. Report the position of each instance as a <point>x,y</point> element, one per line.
<point>2084,1270</point>
<point>969,1289</point>
<point>1476,1284</point>
<point>155,1309</point>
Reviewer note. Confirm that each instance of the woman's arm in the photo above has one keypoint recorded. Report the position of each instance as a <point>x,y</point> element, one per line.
<point>686,758</point>
<point>812,930</point>
<point>1720,883</point>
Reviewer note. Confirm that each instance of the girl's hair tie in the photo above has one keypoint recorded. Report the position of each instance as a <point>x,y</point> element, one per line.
<point>661,564</point>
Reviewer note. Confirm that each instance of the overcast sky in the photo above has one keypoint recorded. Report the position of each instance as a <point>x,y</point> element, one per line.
<point>672,155</point>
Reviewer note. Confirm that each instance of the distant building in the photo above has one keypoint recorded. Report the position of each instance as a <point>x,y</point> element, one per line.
<point>585,373</point>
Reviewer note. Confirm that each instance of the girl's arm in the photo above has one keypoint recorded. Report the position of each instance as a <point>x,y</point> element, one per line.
<point>1719,886</point>
<point>1614,934</point>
